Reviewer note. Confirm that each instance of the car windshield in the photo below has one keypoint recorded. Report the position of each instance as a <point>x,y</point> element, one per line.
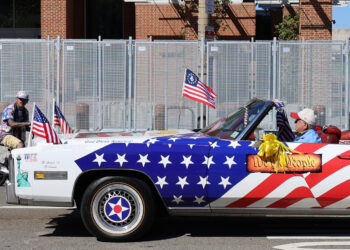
<point>230,126</point>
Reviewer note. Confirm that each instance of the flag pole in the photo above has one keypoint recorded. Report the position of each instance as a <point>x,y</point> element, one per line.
<point>53,112</point>
<point>31,127</point>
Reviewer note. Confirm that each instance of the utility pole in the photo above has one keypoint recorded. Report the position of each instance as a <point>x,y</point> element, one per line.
<point>203,19</point>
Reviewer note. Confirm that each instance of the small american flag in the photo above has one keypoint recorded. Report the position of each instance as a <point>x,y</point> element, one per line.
<point>42,128</point>
<point>59,120</point>
<point>194,89</point>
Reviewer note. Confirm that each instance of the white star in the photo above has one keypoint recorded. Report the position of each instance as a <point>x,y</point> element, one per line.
<point>177,200</point>
<point>143,159</point>
<point>214,144</point>
<point>187,160</point>
<point>182,182</point>
<point>169,145</point>
<point>173,139</point>
<point>208,161</point>
<point>199,200</point>
<point>225,181</point>
<point>165,161</point>
<point>121,159</point>
<point>99,159</point>
<point>119,214</point>
<point>234,144</point>
<point>203,181</point>
<point>161,182</point>
<point>191,145</point>
<point>126,144</point>
<point>151,141</point>
<point>230,161</point>
<point>194,137</point>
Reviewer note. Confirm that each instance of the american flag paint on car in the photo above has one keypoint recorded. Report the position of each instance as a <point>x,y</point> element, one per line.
<point>120,181</point>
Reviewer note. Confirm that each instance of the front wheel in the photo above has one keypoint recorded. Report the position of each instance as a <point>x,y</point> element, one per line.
<point>3,178</point>
<point>118,208</point>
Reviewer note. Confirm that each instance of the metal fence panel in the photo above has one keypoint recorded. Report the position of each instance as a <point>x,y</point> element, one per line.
<point>80,89</point>
<point>159,69</point>
<point>99,85</point>
<point>311,75</point>
<point>26,64</point>
<point>238,72</point>
<point>114,84</point>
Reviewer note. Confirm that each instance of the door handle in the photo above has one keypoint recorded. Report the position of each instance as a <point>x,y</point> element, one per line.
<point>344,157</point>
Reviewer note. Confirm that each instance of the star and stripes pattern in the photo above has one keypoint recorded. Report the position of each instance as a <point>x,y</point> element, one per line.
<point>60,121</point>
<point>195,170</point>
<point>194,89</point>
<point>42,128</point>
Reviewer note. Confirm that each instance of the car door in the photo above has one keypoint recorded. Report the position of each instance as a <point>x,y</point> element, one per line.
<point>317,176</point>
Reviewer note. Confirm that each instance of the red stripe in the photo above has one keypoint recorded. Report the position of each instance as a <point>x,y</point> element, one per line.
<point>206,89</point>
<point>293,197</point>
<point>197,93</point>
<point>200,89</point>
<point>336,194</point>
<point>327,169</point>
<point>309,148</point>
<point>199,100</point>
<point>263,189</point>
<point>199,97</point>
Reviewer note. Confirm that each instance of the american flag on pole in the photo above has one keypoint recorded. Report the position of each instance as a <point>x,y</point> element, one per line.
<point>42,128</point>
<point>194,89</point>
<point>59,120</point>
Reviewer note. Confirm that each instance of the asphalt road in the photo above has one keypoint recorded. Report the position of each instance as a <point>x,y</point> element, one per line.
<point>57,228</point>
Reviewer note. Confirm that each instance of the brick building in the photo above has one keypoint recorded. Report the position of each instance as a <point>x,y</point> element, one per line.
<point>117,19</point>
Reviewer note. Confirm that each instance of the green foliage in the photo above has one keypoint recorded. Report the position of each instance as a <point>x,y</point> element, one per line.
<point>220,12</point>
<point>288,29</point>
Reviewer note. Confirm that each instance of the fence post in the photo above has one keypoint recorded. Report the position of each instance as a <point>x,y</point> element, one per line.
<point>48,77</point>
<point>274,61</point>
<point>202,78</point>
<point>58,62</point>
<point>302,70</point>
<point>100,106</point>
<point>252,87</point>
<point>347,126</point>
<point>130,79</point>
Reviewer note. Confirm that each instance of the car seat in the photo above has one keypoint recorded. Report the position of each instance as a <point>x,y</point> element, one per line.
<point>329,134</point>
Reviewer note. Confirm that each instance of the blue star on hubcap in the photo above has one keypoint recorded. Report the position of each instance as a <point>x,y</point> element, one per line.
<point>117,209</point>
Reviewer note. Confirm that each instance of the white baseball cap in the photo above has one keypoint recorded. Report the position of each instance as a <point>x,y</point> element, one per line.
<point>22,94</point>
<point>307,115</point>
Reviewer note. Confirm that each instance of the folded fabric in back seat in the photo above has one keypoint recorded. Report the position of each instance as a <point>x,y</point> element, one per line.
<point>330,134</point>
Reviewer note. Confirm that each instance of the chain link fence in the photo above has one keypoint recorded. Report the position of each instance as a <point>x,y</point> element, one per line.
<point>137,85</point>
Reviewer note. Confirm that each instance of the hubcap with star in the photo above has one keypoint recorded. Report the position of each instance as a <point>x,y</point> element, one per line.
<point>117,209</point>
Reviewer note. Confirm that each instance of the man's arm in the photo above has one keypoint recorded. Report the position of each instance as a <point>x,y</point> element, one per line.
<point>14,124</point>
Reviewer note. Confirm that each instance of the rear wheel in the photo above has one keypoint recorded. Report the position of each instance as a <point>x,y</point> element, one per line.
<point>118,208</point>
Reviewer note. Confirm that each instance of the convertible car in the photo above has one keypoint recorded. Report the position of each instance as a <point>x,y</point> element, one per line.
<point>121,182</point>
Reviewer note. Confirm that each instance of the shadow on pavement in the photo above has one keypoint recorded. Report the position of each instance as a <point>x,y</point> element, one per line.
<point>71,225</point>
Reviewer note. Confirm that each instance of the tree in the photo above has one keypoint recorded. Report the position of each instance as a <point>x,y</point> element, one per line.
<point>288,29</point>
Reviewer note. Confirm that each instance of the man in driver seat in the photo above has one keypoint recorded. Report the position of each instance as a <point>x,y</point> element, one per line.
<point>305,122</point>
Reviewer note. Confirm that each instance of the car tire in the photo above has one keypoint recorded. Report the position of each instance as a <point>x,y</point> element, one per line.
<point>3,178</point>
<point>118,208</point>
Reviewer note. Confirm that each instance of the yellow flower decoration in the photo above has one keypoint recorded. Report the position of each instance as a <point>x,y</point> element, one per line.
<point>274,151</point>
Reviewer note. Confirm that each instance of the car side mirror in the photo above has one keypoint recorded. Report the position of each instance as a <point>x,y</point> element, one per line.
<point>258,135</point>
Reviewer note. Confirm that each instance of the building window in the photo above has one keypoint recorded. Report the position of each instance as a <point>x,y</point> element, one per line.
<point>20,14</point>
